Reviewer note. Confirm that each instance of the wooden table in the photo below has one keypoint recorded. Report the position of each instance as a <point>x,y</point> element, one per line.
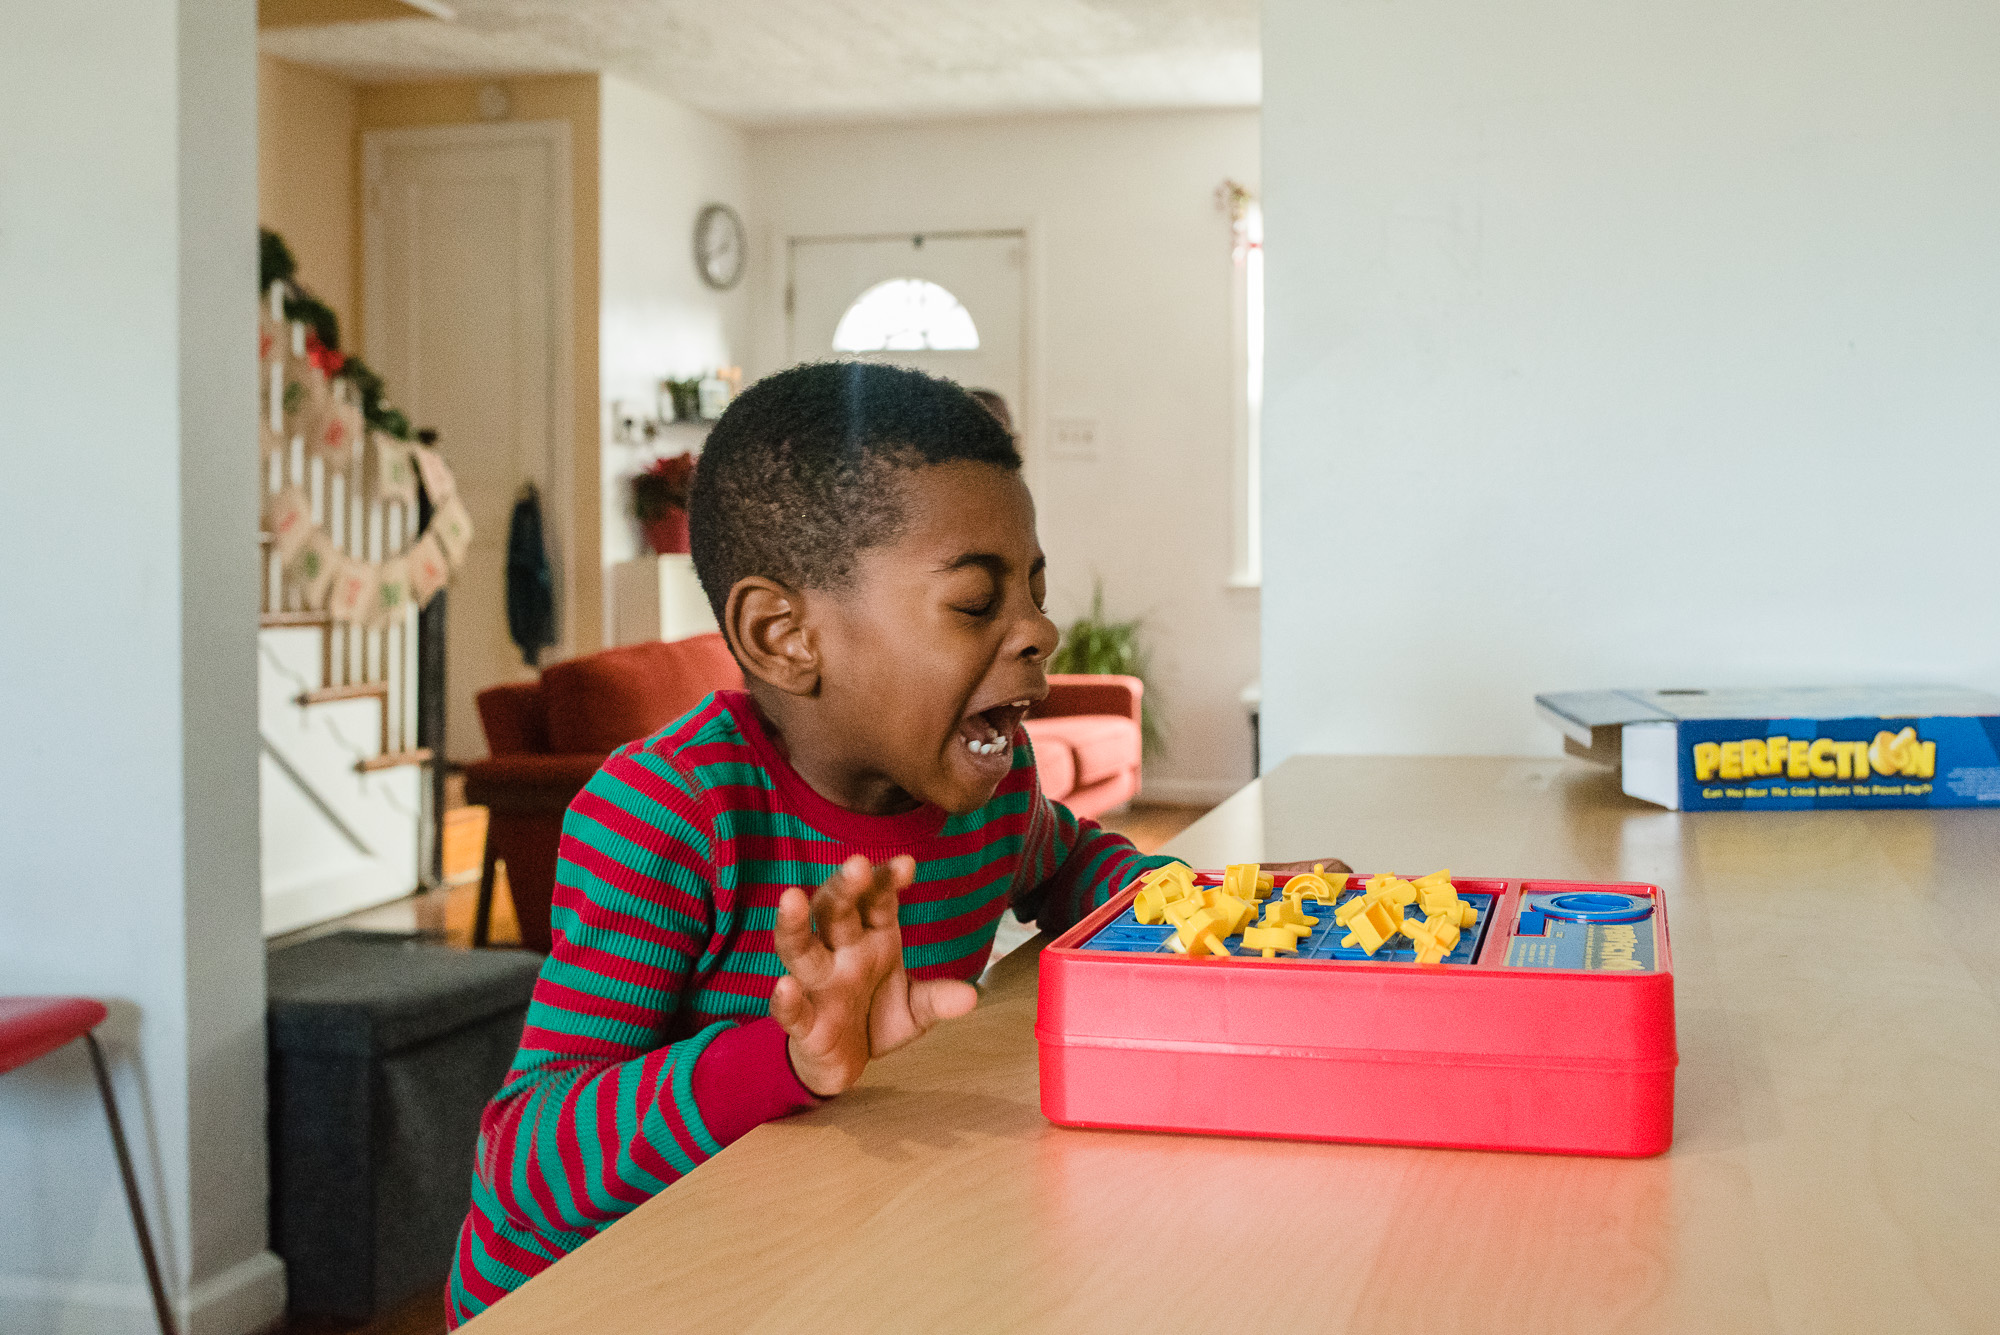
<point>1836,1165</point>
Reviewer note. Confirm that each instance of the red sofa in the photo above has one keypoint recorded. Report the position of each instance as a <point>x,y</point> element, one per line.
<point>1086,737</point>
<point>548,737</point>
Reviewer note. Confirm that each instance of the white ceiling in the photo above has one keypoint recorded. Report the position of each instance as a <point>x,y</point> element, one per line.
<point>768,62</point>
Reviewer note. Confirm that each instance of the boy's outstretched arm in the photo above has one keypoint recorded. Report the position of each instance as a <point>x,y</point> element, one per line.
<point>845,997</point>
<point>1070,865</point>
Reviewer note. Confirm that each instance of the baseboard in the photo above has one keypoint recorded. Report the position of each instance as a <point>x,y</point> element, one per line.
<point>245,1299</point>
<point>1192,792</point>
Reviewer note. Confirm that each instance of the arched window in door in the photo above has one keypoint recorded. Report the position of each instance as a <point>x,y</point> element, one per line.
<point>906,315</point>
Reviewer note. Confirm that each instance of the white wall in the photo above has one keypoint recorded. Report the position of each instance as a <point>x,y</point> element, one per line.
<point>1631,345</point>
<point>661,162</point>
<point>128,798</point>
<point>1129,323</point>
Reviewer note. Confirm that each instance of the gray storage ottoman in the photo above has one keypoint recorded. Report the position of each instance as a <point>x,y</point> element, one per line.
<point>384,1051</point>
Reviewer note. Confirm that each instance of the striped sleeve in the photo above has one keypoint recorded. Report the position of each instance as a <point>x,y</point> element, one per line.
<point>601,1111</point>
<point>1069,865</point>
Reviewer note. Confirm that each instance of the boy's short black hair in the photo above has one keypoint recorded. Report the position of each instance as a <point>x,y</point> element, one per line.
<point>795,478</point>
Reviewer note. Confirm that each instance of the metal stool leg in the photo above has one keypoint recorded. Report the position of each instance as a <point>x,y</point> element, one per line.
<point>482,917</point>
<point>160,1306</point>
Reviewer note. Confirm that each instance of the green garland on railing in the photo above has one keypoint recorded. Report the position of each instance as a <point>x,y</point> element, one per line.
<point>276,265</point>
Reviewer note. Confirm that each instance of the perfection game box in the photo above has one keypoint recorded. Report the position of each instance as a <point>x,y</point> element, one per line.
<point>1793,748</point>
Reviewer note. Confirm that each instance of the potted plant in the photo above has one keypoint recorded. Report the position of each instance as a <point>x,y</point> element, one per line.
<point>1096,645</point>
<point>660,499</point>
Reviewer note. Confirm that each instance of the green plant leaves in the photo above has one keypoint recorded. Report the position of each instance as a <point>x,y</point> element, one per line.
<point>1095,645</point>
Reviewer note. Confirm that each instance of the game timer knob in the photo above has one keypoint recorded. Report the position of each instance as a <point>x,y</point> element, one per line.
<point>1593,906</point>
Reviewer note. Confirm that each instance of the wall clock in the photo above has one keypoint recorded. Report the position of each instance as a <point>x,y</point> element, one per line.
<point>719,247</point>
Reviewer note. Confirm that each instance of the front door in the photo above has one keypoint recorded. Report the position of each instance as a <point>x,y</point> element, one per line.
<point>983,271</point>
<point>466,309</point>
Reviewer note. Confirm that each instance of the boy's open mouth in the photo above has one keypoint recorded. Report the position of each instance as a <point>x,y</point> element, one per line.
<point>990,732</point>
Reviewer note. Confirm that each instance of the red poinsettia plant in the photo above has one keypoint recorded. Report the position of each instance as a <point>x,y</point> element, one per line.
<point>660,499</point>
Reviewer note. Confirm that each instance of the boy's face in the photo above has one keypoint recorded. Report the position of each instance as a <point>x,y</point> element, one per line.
<point>930,657</point>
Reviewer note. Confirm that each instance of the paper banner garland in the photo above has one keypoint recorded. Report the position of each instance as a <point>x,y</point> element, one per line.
<point>428,567</point>
<point>392,470</point>
<point>436,477</point>
<point>392,589</point>
<point>353,595</point>
<point>321,412</point>
<point>291,522</point>
<point>312,570</point>
<point>453,527</point>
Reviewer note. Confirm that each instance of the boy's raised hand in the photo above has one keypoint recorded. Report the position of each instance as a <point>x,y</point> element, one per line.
<point>845,996</point>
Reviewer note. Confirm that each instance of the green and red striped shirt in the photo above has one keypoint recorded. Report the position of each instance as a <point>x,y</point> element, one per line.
<point>648,1044</point>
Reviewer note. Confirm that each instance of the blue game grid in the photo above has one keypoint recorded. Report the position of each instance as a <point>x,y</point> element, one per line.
<point>1126,935</point>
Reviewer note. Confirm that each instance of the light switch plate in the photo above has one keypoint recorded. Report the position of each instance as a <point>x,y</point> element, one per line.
<point>1073,438</point>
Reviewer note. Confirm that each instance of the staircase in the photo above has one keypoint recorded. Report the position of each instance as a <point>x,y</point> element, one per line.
<point>341,775</point>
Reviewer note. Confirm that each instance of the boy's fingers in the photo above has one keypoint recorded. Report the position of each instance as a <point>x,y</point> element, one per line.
<point>791,1008</point>
<point>879,905</point>
<point>935,999</point>
<point>836,906</point>
<point>792,933</point>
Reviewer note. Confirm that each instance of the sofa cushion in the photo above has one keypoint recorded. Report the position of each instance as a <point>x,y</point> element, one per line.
<point>528,783</point>
<point>1055,763</point>
<point>601,701</point>
<point>1103,745</point>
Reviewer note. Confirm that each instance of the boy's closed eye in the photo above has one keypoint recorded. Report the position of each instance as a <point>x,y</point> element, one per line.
<point>978,584</point>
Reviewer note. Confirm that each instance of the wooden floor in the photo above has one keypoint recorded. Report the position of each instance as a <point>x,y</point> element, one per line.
<point>1150,824</point>
<point>446,915</point>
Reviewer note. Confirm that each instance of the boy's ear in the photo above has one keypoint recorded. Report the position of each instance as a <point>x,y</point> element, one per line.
<point>765,624</point>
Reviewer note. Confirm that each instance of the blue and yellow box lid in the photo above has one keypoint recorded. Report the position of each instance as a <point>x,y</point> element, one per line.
<point>1790,748</point>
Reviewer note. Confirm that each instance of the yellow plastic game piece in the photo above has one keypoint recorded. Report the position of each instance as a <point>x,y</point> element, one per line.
<point>1245,880</point>
<point>1309,883</point>
<point>1434,937</point>
<point>1202,934</point>
<point>1266,883</point>
<point>1284,914</point>
<point>1287,914</point>
<point>1336,881</point>
<point>1440,900</point>
<point>1270,940</point>
<point>1160,887</point>
<point>1230,912</point>
<point>1179,911</point>
<point>1372,920</point>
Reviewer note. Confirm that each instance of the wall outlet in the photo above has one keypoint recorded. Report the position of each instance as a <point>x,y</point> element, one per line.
<point>1073,438</point>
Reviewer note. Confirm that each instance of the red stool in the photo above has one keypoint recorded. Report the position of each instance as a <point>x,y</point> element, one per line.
<point>32,1027</point>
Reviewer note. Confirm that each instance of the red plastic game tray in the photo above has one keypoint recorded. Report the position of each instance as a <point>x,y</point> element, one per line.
<point>1557,1035</point>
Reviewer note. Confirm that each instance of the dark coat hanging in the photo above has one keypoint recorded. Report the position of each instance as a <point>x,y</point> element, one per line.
<point>531,600</point>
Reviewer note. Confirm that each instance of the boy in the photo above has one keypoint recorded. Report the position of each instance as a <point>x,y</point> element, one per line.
<point>869,548</point>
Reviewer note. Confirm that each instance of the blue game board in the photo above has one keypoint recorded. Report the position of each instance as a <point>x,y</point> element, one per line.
<point>1127,935</point>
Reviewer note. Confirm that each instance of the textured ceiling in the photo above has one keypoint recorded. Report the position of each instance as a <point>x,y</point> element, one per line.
<point>764,62</point>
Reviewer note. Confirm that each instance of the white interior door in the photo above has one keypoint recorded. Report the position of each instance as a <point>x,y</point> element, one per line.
<point>986,271</point>
<point>467,255</point>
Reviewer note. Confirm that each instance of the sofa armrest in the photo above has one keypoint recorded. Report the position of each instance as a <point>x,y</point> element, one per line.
<point>1073,693</point>
<point>513,718</point>
<point>528,783</point>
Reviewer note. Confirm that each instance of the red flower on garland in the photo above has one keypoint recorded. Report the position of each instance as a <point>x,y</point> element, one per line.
<point>328,360</point>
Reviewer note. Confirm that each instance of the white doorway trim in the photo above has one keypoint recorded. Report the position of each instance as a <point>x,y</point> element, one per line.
<point>1029,419</point>
<point>553,136</point>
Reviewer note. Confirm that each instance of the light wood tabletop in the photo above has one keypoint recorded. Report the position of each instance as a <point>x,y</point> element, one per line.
<point>1835,1167</point>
